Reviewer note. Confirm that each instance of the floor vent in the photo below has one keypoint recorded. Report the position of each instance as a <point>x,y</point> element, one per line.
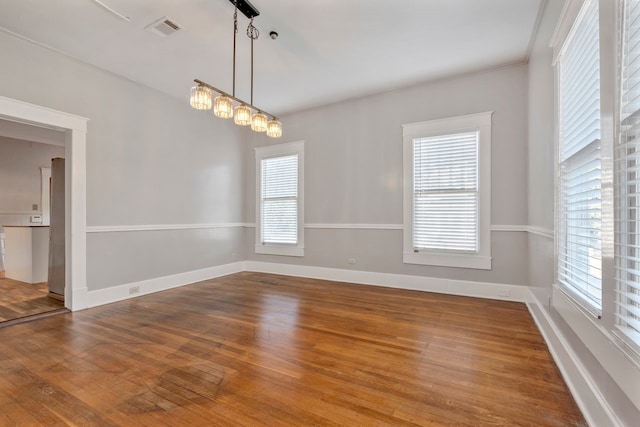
<point>163,27</point>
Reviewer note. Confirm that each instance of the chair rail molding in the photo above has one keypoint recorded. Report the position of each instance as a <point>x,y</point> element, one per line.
<point>157,227</point>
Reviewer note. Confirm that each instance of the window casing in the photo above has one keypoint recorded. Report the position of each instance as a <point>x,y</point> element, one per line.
<point>280,199</point>
<point>627,181</point>
<point>579,185</point>
<point>602,335</point>
<point>447,192</point>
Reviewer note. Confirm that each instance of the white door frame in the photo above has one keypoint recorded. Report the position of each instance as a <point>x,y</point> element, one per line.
<point>75,129</point>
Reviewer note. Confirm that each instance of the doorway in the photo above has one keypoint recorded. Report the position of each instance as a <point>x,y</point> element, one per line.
<point>26,154</point>
<point>74,130</point>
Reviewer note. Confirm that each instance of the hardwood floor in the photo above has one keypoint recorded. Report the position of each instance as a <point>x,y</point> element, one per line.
<point>256,349</point>
<point>19,300</point>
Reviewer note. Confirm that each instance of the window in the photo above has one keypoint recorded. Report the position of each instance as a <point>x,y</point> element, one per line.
<point>447,199</point>
<point>597,241</point>
<point>279,199</point>
<point>628,181</point>
<point>579,264</point>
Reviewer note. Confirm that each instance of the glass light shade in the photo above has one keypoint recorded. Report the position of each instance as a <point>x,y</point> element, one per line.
<point>201,97</point>
<point>223,107</point>
<point>274,129</point>
<point>242,116</point>
<point>259,122</point>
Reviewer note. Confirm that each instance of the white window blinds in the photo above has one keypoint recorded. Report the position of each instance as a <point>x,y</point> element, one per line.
<point>445,202</point>
<point>579,192</point>
<point>628,179</point>
<point>279,210</point>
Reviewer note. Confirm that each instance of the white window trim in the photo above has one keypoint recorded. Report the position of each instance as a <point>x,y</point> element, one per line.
<point>481,123</point>
<point>279,150</point>
<point>564,32</point>
<point>599,335</point>
<point>627,338</point>
<point>568,16</point>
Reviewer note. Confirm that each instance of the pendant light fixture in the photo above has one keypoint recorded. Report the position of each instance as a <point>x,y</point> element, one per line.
<point>243,114</point>
<point>259,122</point>
<point>223,107</point>
<point>274,128</point>
<point>201,97</point>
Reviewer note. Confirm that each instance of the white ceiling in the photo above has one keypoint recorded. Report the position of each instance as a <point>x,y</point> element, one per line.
<point>328,50</point>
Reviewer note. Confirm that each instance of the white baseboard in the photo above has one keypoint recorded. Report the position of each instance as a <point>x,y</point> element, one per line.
<point>401,281</point>
<point>121,292</point>
<point>588,397</point>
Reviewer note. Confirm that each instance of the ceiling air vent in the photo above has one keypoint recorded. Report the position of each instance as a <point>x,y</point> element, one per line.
<point>163,27</point>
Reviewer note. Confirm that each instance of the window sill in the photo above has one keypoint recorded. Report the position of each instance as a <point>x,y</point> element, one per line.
<point>477,262</point>
<point>280,250</point>
<point>579,302</point>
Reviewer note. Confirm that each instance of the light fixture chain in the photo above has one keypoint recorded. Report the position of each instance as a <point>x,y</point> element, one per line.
<point>235,20</point>
<point>251,26</point>
<point>252,31</point>
<point>235,32</point>
<point>253,34</point>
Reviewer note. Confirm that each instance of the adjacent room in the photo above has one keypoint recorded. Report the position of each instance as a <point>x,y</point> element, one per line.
<point>30,288</point>
<point>364,213</point>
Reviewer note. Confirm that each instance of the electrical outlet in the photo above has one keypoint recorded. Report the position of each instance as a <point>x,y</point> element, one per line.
<point>134,290</point>
<point>351,261</point>
<point>34,207</point>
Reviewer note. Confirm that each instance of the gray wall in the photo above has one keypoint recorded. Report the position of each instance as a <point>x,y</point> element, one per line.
<point>540,190</point>
<point>20,178</point>
<point>151,160</point>
<point>353,173</point>
<point>540,153</point>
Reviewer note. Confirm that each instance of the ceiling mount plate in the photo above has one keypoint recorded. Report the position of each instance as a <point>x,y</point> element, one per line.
<point>246,8</point>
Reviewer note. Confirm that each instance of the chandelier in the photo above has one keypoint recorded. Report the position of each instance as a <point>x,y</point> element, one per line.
<point>245,113</point>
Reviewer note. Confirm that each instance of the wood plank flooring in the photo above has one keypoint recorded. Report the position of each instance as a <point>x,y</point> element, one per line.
<point>19,300</point>
<point>253,349</point>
